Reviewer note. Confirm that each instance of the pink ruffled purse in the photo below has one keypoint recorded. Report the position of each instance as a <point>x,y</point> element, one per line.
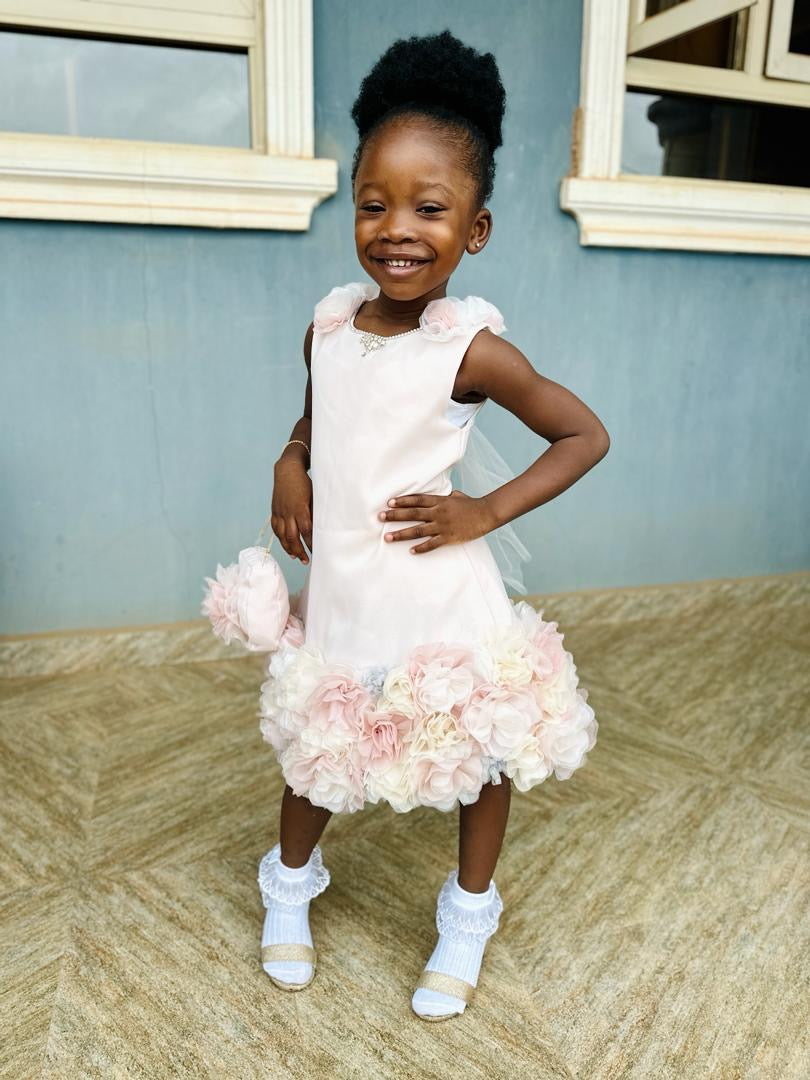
<point>249,602</point>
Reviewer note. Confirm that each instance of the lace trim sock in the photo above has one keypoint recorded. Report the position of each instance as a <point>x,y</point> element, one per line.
<point>465,922</point>
<point>286,893</point>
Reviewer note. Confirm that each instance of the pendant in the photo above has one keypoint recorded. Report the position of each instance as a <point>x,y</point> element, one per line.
<point>370,342</point>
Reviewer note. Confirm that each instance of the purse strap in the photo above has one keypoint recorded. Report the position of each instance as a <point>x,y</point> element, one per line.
<point>262,531</point>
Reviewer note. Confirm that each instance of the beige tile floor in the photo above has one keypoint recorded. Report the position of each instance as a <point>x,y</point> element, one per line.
<point>657,904</point>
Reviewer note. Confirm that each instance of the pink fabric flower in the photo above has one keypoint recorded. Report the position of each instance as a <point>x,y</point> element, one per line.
<point>448,317</point>
<point>337,703</point>
<point>293,632</point>
<point>440,318</point>
<point>329,778</point>
<point>219,604</point>
<point>442,676</point>
<point>338,306</point>
<point>382,736</point>
<point>546,650</point>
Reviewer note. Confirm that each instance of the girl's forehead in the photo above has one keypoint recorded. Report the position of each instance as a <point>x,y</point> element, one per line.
<point>412,157</point>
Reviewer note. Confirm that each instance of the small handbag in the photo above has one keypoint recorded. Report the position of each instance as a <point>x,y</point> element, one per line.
<point>248,601</point>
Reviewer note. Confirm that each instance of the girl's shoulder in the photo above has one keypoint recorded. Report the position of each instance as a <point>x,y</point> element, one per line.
<point>442,319</point>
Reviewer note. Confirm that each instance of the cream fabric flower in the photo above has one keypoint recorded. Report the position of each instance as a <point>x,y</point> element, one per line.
<point>397,692</point>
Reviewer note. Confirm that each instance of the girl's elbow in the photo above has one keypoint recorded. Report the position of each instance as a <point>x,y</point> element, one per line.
<point>601,443</point>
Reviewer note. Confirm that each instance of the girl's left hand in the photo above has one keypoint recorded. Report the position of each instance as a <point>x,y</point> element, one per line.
<point>448,519</point>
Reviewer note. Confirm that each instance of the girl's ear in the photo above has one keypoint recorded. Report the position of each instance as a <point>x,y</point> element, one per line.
<point>480,231</point>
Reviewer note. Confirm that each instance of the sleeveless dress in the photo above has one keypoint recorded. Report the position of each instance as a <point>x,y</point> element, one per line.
<point>409,679</point>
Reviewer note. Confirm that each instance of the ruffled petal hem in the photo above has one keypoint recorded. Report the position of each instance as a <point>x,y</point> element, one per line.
<point>432,730</point>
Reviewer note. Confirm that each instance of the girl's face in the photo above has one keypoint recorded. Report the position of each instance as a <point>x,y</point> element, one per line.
<point>414,201</point>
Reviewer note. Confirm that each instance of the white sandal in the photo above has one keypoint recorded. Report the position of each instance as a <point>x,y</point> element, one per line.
<point>274,890</point>
<point>461,924</point>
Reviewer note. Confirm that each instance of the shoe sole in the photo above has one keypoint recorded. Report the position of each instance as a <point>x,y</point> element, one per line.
<point>291,987</point>
<point>447,1016</point>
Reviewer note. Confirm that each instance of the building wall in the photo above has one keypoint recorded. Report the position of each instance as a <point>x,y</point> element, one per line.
<point>153,374</point>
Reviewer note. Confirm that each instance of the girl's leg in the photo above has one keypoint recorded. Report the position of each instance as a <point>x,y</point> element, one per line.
<point>482,825</point>
<point>300,827</point>
<point>285,923</point>
<point>471,903</point>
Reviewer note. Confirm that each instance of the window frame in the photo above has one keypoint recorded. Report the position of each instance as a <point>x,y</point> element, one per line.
<point>276,184</point>
<point>615,209</point>
<point>781,62</point>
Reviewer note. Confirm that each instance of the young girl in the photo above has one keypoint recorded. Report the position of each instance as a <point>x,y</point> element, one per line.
<point>406,674</point>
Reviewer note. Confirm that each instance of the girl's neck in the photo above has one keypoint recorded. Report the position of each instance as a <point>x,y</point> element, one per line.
<point>402,312</point>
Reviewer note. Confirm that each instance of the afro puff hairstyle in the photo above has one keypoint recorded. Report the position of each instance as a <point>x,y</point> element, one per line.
<point>441,78</point>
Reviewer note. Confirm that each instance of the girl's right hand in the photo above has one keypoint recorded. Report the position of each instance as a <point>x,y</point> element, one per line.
<point>291,508</point>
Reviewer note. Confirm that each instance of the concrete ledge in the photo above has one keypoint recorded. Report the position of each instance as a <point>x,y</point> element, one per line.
<point>69,651</point>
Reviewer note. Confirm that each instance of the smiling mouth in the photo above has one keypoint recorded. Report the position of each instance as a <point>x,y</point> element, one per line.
<point>401,264</point>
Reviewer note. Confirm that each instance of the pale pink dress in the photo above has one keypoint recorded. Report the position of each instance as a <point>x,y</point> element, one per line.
<point>408,678</point>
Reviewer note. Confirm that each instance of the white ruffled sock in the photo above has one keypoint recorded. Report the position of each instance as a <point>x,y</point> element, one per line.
<point>465,922</point>
<point>286,893</point>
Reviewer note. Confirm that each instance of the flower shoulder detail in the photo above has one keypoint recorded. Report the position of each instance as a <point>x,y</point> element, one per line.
<point>338,306</point>
<point>449,317</point>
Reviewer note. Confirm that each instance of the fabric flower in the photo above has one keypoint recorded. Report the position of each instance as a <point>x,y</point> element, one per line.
<point>503,657</point>
<point>527,765</point>
<point>338,306</point>
<point>442,676</point>
<point>397,692</point>
<point>219,604</point>
<point>566,739</point>
<point>500,719</point>
<point>373,678</point>
<point>337,703</point>
<point>382,735</point>
<point>293,632</point>
<point>327,777</point>
<point>448,317</point>
<point>393,784</point>
<point>452,774</point>
<point>292,675</point>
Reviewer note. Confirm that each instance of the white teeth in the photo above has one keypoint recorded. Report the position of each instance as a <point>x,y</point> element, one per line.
<point>399,262</point>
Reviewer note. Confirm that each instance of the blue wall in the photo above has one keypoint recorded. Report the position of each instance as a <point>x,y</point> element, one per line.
<point>153,374</point>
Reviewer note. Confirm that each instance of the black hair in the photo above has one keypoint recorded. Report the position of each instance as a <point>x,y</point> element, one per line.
<point>439,77</point>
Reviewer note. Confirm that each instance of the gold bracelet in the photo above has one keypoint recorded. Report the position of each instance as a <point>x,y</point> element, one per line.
<point>286,444</point>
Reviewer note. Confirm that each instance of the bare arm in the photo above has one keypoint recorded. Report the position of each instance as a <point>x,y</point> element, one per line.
<point>291,512</point>
<point>494,367</point>
<point>302,429</point>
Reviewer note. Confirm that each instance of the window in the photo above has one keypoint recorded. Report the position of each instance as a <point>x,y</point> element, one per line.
<point>693,126</point>
<point>181,113</point>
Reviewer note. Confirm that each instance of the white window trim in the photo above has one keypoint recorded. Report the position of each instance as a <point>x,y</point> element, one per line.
<point>782,63</point>
<point>615,209</point>
<point>276,185</point>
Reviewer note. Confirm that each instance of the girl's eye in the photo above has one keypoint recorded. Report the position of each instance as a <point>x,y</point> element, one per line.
<point>374,208</point>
